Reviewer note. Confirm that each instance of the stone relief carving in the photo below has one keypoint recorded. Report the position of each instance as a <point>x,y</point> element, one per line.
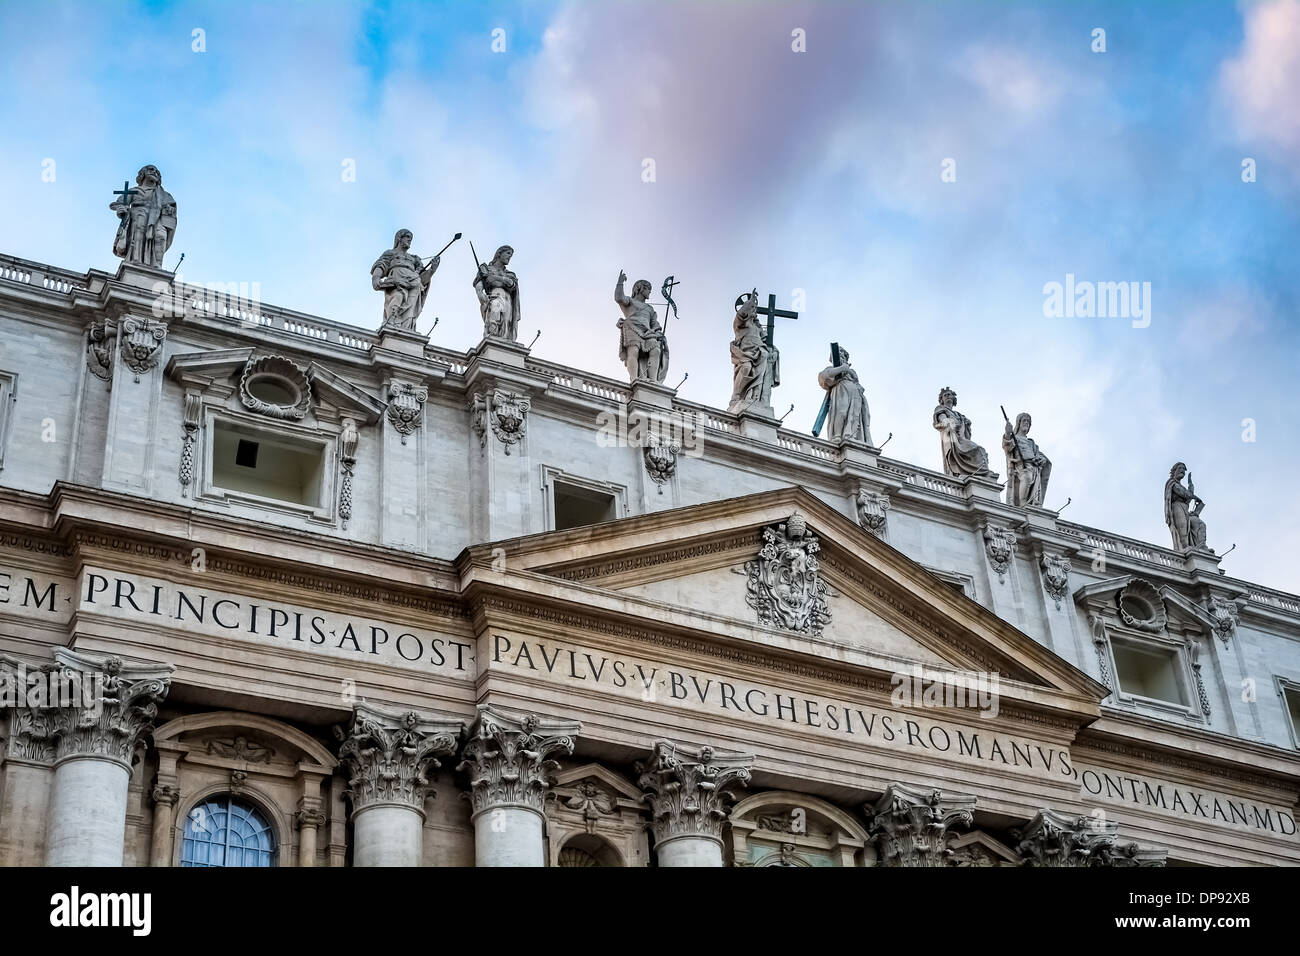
<point>1059,839</point>
<point>873,511</point>
<point>406,407</point>
<point>1194,657</point>
<point>347,463</point>
<point>962,458</point>
<point>148,220</point>
<point>1056,576</point>
<point>241,748</point>
<point>1141,606</point>
<point>190,426</point>
<point>660,460</point>
<point>911,824</point>
<point>100,339</point>
<point>509,760</point>
<point>389,756</point>
<point>1224,614</point>
<point>642,345</point>
<point>690,790</point>
<point>238,781</point>
<point>1101,644</point>
<point>1000,546</point>
<point>1028,469</point>
<point>141,341</point>
<point>784,584</point>
<point>504,411</point>
<point>592,800</point>
<point>275,387</point>
<point>1183,509</point>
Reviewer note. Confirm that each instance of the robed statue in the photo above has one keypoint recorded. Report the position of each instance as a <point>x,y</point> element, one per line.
<point>642,346</point>
<point>962,458</point>
<point>847,415</point>
<point>404,282</point>
<point>148,220</point>
<point>1183,511</point>
<point>1028,469</point>
<point>498,296</point>
<point>756,364</point>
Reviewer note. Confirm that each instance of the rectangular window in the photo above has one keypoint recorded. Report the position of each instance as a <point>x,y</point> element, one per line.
<point>1291,697</point>
<point>8,396</point>
<point>1150,671</point>
<point>249,462</point>
<point>576,506</point>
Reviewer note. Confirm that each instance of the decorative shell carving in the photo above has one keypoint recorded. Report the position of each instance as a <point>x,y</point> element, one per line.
<point>1142,607</point>
<point>276,387</point>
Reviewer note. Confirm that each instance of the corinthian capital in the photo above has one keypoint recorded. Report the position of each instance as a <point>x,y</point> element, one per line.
<point>105,707</point>
<point>509,758</point>
<point>389,755</point>
<point>1053,838</point>
<point>690,790</point>
<point>910,824</point>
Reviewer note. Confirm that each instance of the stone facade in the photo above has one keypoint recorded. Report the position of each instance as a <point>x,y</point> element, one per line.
<point>686,677</point>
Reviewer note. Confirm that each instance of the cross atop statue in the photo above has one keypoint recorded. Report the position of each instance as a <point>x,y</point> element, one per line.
<point>126,192</point>
<point>772,313</point>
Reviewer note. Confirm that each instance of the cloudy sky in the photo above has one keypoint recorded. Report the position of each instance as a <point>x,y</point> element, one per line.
<point>814,173</point>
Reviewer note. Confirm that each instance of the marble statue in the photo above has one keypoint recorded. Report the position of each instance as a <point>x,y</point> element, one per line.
<point>848,416</point>
<point>962,458</point>
<point>148,220</point>
<point>498,296</point>
<point>1183,510</point>
<point>1028,469</point>
<point>404,282</point>
<point>756,365</point>
<point>642,346</point>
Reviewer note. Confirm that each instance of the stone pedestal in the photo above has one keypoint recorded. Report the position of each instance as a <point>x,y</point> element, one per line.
<point>389,756</point>
<point>689,790</point>
<point>402,341</point>
<point>87,820</point>
<point>509,764</point>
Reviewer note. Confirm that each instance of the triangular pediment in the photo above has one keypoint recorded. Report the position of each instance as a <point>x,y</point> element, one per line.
<point>694,565</point>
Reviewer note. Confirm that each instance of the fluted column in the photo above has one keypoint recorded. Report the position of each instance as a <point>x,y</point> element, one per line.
<point>690,791</point>
<point>388,756</point>
<point>1053,838</point>
<point>911,824</point>
<point>509,764</point>
<point>96,738</point>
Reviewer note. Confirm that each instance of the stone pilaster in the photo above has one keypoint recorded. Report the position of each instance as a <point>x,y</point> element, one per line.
<point>96,736</point>
<point>690,791</point>
<point>389,756</point>
<point>509,761</point>
<point>911,824</point>
<point>1053,838</point>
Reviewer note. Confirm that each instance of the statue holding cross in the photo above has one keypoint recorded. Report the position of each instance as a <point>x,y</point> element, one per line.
<point>755,361</point>
<point>844,411</point>
<point>148,219</point>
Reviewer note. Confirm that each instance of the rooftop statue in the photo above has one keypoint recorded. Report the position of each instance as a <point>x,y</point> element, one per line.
<point>1183,511</point>
<point>404,282</point>
<point>847,415</point>
<point>148,219</point>
<point>756,364</point>
<point>1028,469</point>
<point>962,458</point>
<point>498,296</point>
<point>642,345</point>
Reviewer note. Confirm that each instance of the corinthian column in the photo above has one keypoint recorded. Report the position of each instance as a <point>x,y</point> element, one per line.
<point>910,824</point>
<point>1053,838</point>
<point>113,708</point>
<point>388,757</point>
<point>509,764</point>
<point>689,792</point>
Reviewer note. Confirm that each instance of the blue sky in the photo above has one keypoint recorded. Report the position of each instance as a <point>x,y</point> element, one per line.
<point>817,171</point>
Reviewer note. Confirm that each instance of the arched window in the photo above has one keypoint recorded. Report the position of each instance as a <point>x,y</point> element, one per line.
<point>226,831</point>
